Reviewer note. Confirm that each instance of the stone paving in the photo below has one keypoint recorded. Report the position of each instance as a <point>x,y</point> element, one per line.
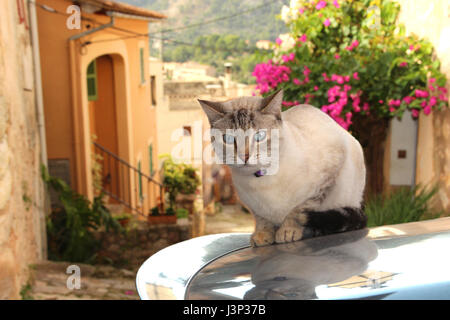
<point>231,219</point>
<point>48,281</point>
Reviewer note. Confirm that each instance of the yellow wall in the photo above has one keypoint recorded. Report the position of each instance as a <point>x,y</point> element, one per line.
<point>64,65</point>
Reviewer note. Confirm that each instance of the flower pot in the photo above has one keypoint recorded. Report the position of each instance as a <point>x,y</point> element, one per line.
<point>124,222</point>
<point>186,201</point>
<point>162,219</point>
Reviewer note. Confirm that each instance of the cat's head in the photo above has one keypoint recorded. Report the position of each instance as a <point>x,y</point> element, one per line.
<point>245,131</point>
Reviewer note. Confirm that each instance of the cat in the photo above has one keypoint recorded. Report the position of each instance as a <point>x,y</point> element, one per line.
<point>313,186</point>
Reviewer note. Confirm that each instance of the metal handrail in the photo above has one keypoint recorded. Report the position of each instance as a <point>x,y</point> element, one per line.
<point>121,172</point>
<point>126,163</point>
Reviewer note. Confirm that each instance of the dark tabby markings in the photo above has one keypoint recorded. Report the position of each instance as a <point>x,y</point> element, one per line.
<point>322,223</point>
<point>243,119</point>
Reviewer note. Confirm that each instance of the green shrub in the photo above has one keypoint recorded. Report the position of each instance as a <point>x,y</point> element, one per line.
<point>178,178</point>
<point>70,227</point>
<point>404,205</point>
<point>182,213</point>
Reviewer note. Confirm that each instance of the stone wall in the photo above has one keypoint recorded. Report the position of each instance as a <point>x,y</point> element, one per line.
<point>21,188</point>
<point>131,249</point>
<point>431,20</point>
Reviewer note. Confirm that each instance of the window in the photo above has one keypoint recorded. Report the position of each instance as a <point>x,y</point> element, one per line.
<point>187,131</point>
<point>92,81</point>
<point>153,89</point>
<point>141,53</point>
<point>140,180</point>
<point>150,156</point>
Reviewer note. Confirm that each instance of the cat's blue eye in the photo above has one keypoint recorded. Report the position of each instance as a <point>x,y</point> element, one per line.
<point>228,138</point>
<point>260,135</point>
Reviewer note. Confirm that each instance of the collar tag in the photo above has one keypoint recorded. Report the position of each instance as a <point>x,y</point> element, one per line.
<point>260,173</point>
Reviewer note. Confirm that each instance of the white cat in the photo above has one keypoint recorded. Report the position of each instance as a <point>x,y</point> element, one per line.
<point>319,177</point>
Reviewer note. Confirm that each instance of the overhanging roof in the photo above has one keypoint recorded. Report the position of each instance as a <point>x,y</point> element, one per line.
<point>103,6</point>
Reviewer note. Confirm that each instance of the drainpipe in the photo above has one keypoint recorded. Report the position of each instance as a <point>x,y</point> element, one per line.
<point>41,122</point>
<point>38,81</point>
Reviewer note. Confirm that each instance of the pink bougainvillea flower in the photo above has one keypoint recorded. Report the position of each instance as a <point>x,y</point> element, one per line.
<point>432,102</point>
<point>403,64</point>
<point>352,46</point>
<point>431,87</point>
<point>327,22</point>
<point>355,76</point>
<point>303,38</point>
<point>391,109</point>
<point>316,88</point>
<point>423,104</point>
<point>394,103</point>
<point>366,106</point>
<point>415,113</point>
<point>347,78</point>
<point>427,110</point>
<point>325,77</point>
<point>278,41</point>
<point>321,4</point>
<point>336,56</point>
<point>296,81</point>
<point>289,57</point>
<point>306,71</point>
<point>411,47</point>
<point>336,4</point>
<point>408,99</point>
<point>301,10</point>
<point>381,101</point>
<point>442,97</point>
<point>269,75</point>
<point>421,93</point>
<point>308,97</point>
<point>432,80</point>
<point>347,87</point>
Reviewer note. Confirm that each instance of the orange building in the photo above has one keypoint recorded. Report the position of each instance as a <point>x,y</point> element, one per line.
<point>96,83</point>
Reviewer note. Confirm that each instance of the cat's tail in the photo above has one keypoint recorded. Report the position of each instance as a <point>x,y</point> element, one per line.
<point>331,221</point>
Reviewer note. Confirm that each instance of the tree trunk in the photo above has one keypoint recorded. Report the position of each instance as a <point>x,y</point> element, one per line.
<point>371,132</point>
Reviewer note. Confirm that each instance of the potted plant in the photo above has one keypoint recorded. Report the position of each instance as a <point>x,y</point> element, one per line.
<point>123,219</point>
<point>156,217</point>
<point>181,181</point>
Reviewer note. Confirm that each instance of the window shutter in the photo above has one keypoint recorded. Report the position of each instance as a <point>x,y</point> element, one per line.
<point>141,53</point>
<point>140,180</point>
<point>150,154</point>
<point>92,81</point>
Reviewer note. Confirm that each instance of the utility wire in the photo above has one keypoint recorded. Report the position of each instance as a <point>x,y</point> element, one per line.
<point>136,34</point>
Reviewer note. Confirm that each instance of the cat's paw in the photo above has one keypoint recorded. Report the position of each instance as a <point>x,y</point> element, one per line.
<point>262,238</point>
<point>292,233</point>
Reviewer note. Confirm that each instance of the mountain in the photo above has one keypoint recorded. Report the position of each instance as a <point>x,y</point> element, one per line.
<point>258,23</point>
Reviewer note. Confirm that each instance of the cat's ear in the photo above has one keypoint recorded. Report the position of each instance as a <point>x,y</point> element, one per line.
<point>213,110</point>
<point>272,104</point>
